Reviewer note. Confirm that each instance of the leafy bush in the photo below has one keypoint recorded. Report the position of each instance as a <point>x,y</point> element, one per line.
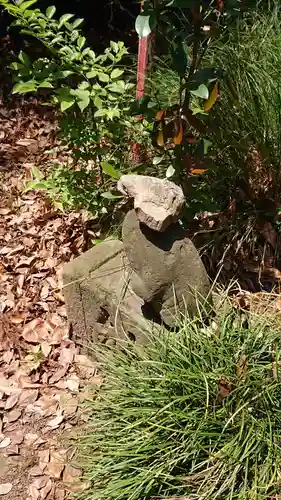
<point>194,413</point>
<point>72,71</point>
<point>186,29</point>
<point>93,93</point>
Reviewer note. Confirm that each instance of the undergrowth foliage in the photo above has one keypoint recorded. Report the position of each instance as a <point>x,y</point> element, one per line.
<point>94,94</point>
<point>195,413</point>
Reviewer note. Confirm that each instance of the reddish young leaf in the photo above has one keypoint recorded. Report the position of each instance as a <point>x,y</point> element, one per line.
<point>213,97</point>
<point>160,138</point>
<point>160,115</point>
<point>178,131</point>
<point>198,171</point>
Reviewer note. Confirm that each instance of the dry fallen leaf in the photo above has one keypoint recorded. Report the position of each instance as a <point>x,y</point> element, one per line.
<point>12,416</point>
<point>4,466</point>
<point>71,474</point>
<point>11,401</point>
<point>87,368</point>
<point>46,490</point>
<point>37,330</point>
<point>17,437</point>
<point>26,261</point>
<point>59,494</point>
<point>33,492</point>
<point>44,456</point>
<point>28,396</point>
<point>44,292</point>
<point>56,464</point>
<point>59,334</point>
<point>66,356</point>
<point>54,423</point>
<point>72,479</point>
<point>35,471</point>
<point>7,386</point>
<point>46,349</point>
<point>68,404</point>
<point>8,356</point>
<point>242,367</point>
<point>30,439</point>
<point>58,375</point>
<point>73,383</point>
<point>30,333</point>
<point>13,449</point>
<point>5,488</point>
<point>6,441</point>
<point>17,319</point>
<point>40,482</point>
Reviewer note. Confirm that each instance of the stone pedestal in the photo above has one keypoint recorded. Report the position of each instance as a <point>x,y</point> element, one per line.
<point>124,290</point>
<point>101,304</point>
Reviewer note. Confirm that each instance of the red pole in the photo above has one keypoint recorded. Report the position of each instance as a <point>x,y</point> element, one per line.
<point>142,66</point>
<point>143,60</point>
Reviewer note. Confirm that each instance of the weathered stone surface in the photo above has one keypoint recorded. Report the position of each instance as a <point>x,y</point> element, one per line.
<point>171,275</point>
<point>100,302</point>
<point>157,202</point>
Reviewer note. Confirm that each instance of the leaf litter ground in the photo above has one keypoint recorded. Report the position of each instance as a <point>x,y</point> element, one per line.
<point>43,377</point>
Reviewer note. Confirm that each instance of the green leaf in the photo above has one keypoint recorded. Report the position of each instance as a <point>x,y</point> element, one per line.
<point>56,40</point>
<point>64,73</point>
<point>36,173</point>
<point>118,87</point>
<point>98,102</point>
<point>64,19</point>
<point>82,95</point>
<point>83,85</point>
<point>24,5</point>
<point>83,104</point>
<point>157,159</point>
<point>116,73</point>
<point>77,22</point>
<point>113,113</point>
<point>45,85</point>
<point>206,145</point>
<point>64,105</point>
<point>91,74</point>
<point>114,46</point>
<point>145,23</point>
<point>201,92</point>
<point>100,112</point>
<point>170,171</point>
<point>35,185</point>
<point>16,66</point>
<point>23,57</point>
<point>103,77</point>
<point>110,170</point>
<point>24,87</point>
<point>109,196</point>
<point>183,4</point>
<point>81,42</point>
<point>50,12</point>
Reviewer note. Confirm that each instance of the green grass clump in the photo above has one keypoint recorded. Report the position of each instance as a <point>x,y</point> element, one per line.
<point>194,414</point>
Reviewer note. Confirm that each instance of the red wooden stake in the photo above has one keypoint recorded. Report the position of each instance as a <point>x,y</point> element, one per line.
<point>143,60</point>
<point>142,66</point>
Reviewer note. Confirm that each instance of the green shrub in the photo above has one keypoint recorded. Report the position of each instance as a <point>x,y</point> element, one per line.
<point>94,93</point>
<point>194,414</point>
<point>73,73</point>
